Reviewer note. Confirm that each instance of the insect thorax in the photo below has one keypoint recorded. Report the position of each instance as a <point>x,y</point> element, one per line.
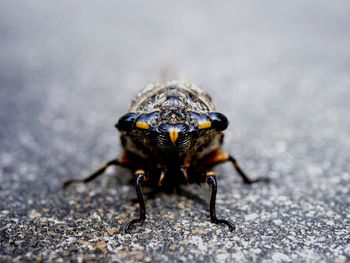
<point>172,94</point>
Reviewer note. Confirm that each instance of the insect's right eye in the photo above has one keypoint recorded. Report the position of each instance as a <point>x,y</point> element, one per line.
<point>219,120</point>
<point>126,122</point>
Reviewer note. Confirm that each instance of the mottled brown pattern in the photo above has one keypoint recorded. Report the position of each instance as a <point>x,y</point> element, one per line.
<point>153,97</point>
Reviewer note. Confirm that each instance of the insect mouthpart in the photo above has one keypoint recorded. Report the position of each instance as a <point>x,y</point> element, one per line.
<point>173,137</point>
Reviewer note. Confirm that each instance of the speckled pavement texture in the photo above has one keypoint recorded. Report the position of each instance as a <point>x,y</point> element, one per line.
<point>279,71</point>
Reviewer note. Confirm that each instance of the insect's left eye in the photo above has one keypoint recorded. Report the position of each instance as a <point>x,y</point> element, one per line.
<point>126,122</point>
<point>219,121</point>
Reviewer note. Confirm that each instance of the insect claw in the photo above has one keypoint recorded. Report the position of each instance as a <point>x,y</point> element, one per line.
<point>128,225</point>
<point>225,222</point>
<point>265,180</point>
<point>68,183</point>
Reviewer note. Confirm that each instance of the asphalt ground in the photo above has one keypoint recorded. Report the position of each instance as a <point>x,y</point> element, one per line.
<point>279,71</point>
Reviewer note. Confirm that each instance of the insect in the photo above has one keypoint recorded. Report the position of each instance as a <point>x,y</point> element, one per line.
<point>171,135</point>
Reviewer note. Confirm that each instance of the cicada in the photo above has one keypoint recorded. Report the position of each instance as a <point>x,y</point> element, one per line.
<point>172,134</point>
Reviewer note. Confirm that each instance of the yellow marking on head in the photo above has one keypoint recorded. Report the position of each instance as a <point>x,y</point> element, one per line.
<point>142,125</point>
<point>174,134</point>
<point>204,125</point>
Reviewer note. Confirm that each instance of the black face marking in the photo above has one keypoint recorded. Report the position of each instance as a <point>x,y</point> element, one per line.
<point>181,127</point>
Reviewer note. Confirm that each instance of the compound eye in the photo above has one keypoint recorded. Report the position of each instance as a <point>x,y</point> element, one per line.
<point>126,122</point>
<point>219,121</point>
<point>144,121</point>
<point>201,120</point>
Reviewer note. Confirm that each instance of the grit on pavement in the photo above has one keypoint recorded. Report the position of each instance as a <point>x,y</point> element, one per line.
<point>278,70</point>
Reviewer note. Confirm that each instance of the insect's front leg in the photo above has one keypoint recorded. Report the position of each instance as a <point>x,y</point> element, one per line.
<point>139,178</point>
<point>211,180</point>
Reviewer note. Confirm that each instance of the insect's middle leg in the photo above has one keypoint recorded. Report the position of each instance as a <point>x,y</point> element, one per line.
<point>211,180</point>
<point>93,175</point>
<point>219,157</point>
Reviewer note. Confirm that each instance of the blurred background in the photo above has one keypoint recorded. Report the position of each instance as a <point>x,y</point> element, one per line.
<point>279,70</point>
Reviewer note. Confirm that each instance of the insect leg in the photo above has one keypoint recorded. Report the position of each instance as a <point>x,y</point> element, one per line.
<point>94,175</point>
<point>245,178</point>
<point>220,157</point>
<point>211,180</point>
<point>140,177</point>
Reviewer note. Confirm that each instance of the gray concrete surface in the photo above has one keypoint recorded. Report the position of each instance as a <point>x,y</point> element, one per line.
<point>279,70</point>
